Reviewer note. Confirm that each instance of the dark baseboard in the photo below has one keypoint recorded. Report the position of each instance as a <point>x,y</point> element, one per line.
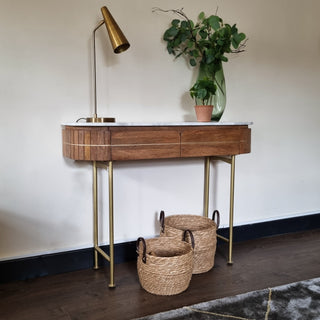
<point>274,227</point>
<point>49,264</point>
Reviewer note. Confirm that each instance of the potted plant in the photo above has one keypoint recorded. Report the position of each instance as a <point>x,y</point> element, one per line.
<point>203,92</point>
<point>205,45</point>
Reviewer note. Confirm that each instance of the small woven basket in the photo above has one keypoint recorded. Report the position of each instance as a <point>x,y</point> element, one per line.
<point>165,264</point>
<point>204,231</point>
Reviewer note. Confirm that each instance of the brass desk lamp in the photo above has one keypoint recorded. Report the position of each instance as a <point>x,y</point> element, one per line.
<point>119,44</point>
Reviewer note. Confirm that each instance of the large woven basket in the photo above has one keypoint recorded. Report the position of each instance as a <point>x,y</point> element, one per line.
<point>165,264</point>
<point>204,231</point>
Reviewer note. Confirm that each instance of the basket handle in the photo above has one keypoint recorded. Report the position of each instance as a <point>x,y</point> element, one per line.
<point>218,217</point>
<point>190,235</point>
<point>161,219</point>
<point>144,252</point>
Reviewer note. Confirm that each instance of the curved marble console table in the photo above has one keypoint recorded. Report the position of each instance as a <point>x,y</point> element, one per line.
<point>104,143</point>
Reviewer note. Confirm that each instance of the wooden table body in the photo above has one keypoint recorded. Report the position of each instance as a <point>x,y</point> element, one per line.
<point>136,142</point>
<point>104,143</point>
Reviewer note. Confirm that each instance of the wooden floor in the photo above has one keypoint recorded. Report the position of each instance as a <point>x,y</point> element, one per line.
<point>85,294</point>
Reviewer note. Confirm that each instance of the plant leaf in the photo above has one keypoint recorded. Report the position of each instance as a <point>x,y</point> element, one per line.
<point>195,53</point>
<point>190,44</point>
<point>193,62</point>
<point>237,38</point>
<point>214,22</point>
<point>184,24</point>
<point>223,58</point>
<point>170,50</point>
<point>175,22</point>
<point>170,33</point>
<point>234,29</point>
<point>203,34</point>
<point>201,16</point>
<point>242,36</point>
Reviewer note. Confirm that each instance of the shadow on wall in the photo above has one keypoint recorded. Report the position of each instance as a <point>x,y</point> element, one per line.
<point>188,106</point>
<point>20,233</point>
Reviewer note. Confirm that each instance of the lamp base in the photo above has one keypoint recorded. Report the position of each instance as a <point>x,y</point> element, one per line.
<point>100,119</point>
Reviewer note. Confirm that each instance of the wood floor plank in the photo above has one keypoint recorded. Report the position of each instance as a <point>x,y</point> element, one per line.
<point>85,294</point>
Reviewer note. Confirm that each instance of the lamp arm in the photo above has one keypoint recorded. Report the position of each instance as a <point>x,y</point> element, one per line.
<point>95,67</point>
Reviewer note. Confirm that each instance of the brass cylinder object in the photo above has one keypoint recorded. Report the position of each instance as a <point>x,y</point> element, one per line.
<point>100,119</point>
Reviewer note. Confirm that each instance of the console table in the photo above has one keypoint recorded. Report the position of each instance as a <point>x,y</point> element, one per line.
<point>106,143</point>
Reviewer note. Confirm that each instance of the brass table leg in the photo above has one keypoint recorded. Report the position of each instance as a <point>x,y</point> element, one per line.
<point>232,174</point>
<point>95,213</point>
<point>206,186</point>
<point>97,249</point>
<point>111,231</point>
<point>231,161</point>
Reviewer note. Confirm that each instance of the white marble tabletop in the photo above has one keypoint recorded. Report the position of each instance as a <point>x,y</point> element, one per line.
<point>153,124</point>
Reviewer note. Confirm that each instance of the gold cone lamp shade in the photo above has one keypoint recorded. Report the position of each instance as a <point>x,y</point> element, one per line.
<point>118,40</point>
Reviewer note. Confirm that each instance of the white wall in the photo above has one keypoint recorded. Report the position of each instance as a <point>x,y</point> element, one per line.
<point>45,79</point>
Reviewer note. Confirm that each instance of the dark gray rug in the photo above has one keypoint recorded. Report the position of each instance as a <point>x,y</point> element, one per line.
<point>295,301</point>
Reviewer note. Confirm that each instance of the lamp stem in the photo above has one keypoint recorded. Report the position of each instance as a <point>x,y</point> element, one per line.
<point>95,115</point>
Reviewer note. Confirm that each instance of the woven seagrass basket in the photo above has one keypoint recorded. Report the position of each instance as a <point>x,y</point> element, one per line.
<point>165,264</point>
<point>204,231</point>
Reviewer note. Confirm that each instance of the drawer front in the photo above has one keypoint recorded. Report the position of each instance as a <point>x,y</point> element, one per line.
<point>144,143</point>
<point>212,141</point>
